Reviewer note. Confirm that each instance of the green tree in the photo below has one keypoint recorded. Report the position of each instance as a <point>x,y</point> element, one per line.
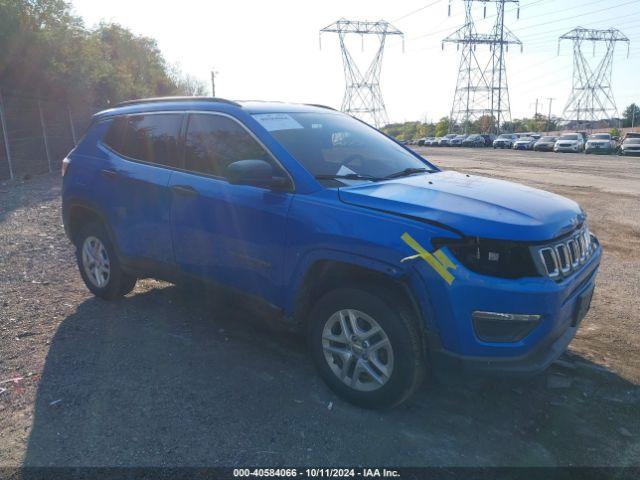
<point>631,115</point>
<point>47,52</point>
<point>442,127</point>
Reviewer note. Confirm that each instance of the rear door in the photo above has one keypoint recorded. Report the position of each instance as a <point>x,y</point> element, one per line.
<point>143,150</point>
<point>232,234</point>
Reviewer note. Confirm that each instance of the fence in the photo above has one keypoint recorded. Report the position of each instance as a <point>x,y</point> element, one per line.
<point>36,133</point>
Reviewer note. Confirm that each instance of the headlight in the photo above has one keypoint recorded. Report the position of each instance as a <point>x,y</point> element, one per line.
<point>496,258</point>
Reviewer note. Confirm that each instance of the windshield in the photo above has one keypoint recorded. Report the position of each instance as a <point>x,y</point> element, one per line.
<point>569,137</point>
<point>525,139</point>
<point>336,144</point>
<point>506,136</point>
<point>599,136</point>
<point>634,141</point>
<point>548,139</point>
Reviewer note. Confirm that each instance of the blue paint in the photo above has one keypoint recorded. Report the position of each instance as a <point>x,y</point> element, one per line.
<point>263,242</point>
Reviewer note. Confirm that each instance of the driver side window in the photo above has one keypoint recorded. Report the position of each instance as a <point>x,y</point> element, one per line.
<point>213,142</point>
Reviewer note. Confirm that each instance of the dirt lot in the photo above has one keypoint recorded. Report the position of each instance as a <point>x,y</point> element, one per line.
<point>171,378</point>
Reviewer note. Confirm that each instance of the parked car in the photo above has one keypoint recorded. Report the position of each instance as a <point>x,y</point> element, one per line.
<point>506,140</point>
<point>630,146</point>
<point>630,135</point>
<point>545,144</point>
<point>524,143</point>
<point>488,139</point>
<point>446,140</point>
<point>435,142</point>
<point>600,143</point>
<point>457,141</point>
<point>625,137</point>
<point>569,142</point>
<point>388,264</point>
<point>474,141</point>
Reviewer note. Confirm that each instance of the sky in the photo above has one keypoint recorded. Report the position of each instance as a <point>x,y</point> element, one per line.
<point>270,50</point>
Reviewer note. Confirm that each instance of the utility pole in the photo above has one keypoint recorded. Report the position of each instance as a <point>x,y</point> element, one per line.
<point>362,95</point>
<point>481,88</point>
<point>5,135</point>
<point>591,93</point>
<point>549,116</point>
<point>213,83</point>
<point>44,135</point>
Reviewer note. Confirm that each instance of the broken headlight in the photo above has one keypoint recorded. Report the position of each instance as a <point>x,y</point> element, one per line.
<point>496,258</point>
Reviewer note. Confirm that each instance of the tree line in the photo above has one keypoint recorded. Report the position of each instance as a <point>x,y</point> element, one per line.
<point>47,52</point>
<point>539,123</point>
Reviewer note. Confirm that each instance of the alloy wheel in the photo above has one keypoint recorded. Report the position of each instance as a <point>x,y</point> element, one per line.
<point>357,350</point>
<point>95,261</point>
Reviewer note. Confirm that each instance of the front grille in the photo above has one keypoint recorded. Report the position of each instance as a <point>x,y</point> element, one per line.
<point>560,259</point>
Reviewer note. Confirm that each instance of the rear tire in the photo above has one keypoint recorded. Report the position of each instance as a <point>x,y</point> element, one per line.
<point>99,265</point>
<point>349,362</point>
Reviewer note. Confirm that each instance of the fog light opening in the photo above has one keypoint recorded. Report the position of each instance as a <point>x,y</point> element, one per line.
<point>503,327</point>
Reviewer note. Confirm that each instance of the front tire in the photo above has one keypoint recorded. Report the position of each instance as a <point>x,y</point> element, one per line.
<point>99,265</point>
<point>366,347</point>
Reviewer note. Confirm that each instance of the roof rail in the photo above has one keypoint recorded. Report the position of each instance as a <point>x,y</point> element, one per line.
<point>176,99</point>
<point>319,106</point>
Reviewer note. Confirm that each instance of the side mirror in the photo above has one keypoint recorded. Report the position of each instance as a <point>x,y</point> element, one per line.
<point>257,173</point>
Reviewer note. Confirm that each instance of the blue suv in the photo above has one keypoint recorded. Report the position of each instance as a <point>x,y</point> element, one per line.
<point>388,264</point>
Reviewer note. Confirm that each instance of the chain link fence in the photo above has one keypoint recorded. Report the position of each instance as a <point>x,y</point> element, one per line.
<point>36,133</point>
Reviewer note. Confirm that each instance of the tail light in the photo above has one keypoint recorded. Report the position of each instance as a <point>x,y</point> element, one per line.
<point>66,161</point>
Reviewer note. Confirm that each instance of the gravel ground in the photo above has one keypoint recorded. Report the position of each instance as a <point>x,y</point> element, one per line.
<point>167,377</point>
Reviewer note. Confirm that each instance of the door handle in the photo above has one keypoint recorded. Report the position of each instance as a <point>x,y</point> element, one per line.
<point>184,190</point>
<point>108,173</point>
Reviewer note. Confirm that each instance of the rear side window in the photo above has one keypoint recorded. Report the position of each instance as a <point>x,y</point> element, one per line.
<point>151,138</point>
<point>213,142</point>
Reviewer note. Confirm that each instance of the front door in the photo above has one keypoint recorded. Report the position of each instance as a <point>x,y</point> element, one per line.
<point>232,234</point>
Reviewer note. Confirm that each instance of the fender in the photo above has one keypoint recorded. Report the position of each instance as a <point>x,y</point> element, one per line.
<point>407,276</point>
<point>86,205</point>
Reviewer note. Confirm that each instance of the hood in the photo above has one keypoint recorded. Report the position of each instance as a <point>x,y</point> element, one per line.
<point>472,205</point>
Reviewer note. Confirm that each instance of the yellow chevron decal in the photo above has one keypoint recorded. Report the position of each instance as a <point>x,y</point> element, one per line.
<point>439,260</point>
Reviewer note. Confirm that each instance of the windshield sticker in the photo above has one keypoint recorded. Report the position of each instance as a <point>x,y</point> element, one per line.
<point>277,121</point>
<point>344,170</point>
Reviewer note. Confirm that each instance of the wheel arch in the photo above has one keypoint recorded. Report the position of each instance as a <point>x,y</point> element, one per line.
<point>325,274</point>
<point>77,215</point>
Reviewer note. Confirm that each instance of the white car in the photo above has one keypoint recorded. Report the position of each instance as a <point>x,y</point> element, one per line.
<point>600,143</point>
<point>569,142</point>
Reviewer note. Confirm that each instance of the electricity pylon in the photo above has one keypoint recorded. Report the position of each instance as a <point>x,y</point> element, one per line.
<point>482,91</point>
<point>591,96</point>
<point>362,96</point>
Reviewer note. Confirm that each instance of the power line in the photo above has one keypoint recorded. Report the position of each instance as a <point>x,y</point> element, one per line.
<point>416,11</point>
<point>577,16</point>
